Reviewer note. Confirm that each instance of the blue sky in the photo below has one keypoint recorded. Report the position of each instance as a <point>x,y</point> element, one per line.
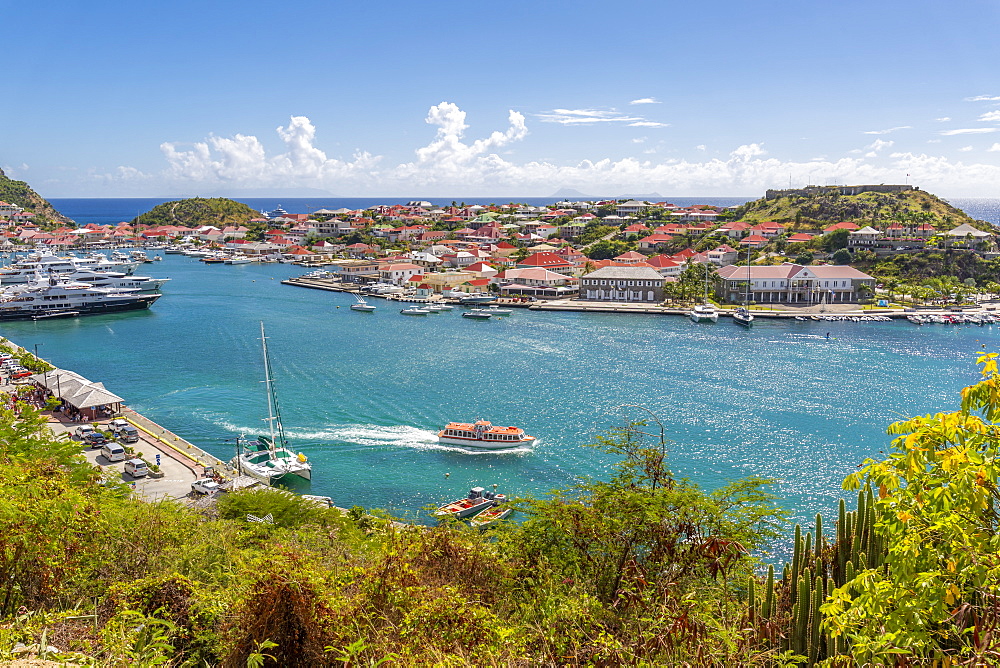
<point>460,99</point>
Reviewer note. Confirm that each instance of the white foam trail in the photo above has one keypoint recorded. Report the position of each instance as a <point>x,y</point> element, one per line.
<point>400,436</point>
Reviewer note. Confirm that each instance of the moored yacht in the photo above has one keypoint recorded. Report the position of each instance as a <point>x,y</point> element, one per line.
<point>704,313</point>
<point>52,297</point>
<point>25,269</point>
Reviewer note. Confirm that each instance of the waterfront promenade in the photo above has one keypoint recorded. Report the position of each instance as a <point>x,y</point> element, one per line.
<point>181,463</point>
<point>773,311</point>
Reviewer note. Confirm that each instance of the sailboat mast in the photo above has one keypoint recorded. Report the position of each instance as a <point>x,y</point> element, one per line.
<point>268,381</point>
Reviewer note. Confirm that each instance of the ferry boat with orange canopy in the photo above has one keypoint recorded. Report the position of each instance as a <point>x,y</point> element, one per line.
<point>484,434</point>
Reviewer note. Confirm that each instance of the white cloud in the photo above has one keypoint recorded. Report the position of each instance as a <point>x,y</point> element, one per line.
<point>586,116</point>
<point>451,163</point>
<point>645,100</point>
<point>447,157</point>
<point>876,146</point>
<point>886,131</point>
<point>983,98</point>
<point>592,116</point>
<point>701,147</point>
<point>242,160</point>
<point>943,119</point>
<point>933,141</point>
<point>994,148</point>
<point>965,149</point>
<point>967,131</point>
<point>990,117</point>
<point>639,140</point>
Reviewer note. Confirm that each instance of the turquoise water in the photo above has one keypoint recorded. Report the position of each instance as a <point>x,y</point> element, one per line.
<point>363,394</point>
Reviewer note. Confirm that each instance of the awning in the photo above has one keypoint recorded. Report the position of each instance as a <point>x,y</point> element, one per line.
<point>75,390</point>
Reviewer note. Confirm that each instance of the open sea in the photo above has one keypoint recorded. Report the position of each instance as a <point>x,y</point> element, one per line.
<point>364,394</point>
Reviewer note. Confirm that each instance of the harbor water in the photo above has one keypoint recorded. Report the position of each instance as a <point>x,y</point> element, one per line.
<point>363,394</point>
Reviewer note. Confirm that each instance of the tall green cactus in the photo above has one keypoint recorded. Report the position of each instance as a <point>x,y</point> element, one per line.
<point>768,608</point>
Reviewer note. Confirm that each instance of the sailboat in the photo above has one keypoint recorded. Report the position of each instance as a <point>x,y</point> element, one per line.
<point>742,315</point>
<point>707,310</point>
<point>268,458</point>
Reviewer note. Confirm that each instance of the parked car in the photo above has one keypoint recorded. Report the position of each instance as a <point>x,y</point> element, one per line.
<point>136,468</point>
<point>114,452</point>
<point>95,439</point>
<point>83,430</point>
<point>128,434</point>
<point>204,486</point>
<point>117,424</point>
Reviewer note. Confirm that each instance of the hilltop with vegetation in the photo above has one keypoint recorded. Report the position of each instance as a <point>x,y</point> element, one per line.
<point>198,211</point>
<point>810,211</point>
<point>21,194</point>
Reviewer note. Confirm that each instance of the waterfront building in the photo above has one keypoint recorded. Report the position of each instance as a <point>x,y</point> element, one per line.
<point>623,284</point>
<point>535,282</point>
<point>548,260</point>
<point>793,283</point>
<point>442,281</point>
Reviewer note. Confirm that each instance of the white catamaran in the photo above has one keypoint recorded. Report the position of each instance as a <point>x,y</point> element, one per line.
<point>268,458</point>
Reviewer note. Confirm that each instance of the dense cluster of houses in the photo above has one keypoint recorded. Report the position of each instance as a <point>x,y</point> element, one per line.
<point>520,250</point>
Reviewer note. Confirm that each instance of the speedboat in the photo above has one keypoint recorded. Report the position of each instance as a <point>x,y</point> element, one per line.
<point>362,305</point>
<point>477,298</point>
<point>484,434</point>
<point>704,312</point>
<point>496,310</point>
<point>414,310</point>
<point>475,502</point>
<point>478,314</point>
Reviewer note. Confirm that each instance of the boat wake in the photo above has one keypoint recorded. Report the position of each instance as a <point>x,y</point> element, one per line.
<point>371,435</point>
<point>400,436</point>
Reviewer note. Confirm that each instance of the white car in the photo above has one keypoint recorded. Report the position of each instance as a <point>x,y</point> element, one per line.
<point>204,486</point>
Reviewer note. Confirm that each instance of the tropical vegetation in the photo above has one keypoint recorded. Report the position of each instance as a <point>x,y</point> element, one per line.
<point>641,568</point>
<point>198,211</point>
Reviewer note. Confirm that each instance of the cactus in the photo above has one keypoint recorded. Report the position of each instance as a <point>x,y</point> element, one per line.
<point>768,608</point>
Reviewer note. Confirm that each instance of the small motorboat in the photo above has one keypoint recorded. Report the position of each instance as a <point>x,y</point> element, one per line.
<point>477,501</point>
<point>496,310</point>
<point>478,314</point>
<point>362,305</point>
<point>414,310</point>
<point>498,511</point>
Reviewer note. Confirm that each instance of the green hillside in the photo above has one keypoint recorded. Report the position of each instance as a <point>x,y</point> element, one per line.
<point>870,208</point>
<point>198,211</point>
<point>21,194</point>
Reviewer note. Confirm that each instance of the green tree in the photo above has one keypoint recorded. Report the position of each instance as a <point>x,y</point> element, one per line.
<point>604,250</point>
<point>935,594</point>
<point>841,256</point>
<point>645,533</point>
<point>835,240</point>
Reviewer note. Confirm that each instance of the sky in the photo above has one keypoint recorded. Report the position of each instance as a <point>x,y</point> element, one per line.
<point>517,98</point>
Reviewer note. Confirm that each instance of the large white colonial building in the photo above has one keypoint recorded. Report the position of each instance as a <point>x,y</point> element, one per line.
<point>794,283</point>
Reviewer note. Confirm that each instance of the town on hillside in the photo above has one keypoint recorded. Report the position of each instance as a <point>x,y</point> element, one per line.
<point>597,251</point>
